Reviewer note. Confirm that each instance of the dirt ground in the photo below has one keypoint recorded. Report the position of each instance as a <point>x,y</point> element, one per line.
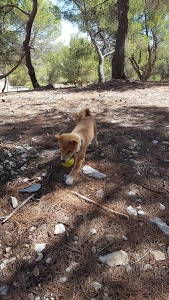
<point>133,152</point>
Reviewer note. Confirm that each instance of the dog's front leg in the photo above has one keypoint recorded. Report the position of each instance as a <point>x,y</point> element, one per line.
<point>78,164</point>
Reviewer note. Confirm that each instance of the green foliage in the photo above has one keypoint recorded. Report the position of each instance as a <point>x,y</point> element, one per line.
<point>79,62</point>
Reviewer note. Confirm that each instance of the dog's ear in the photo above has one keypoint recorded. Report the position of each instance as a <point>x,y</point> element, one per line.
<point>73,142</point>
<point>59,137</point>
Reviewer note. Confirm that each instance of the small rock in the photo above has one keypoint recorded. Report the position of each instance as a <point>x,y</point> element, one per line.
<point>131,211</point>
<point>14,202</point>
<point>148,267</point>
<point>39,247</point>
<point>161,206</point>
<point>30,296</point>
<point>141,212</point>
<point>155,142</point>
<point>59,228</point>
<point>38,298</point>
<point>158,255</point>
<point>35,272</point>
<point>71,267</point>
<point>129,269</point>
<point>93,231</point>
<point>161,225</point>
<point>124,237</point>
<point>4,289</point>
<point>96,285</point>
<point>132,193</point>
<point>62,279</point>
<point>93,172</point>
<point>8,249</point>
<point>39,256</point>
<point>48,260</point>
<point>100,194</point>
<point>32,189</point>
<point>117,258</point>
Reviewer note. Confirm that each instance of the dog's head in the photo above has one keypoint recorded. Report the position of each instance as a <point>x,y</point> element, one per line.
<point>69,145</point>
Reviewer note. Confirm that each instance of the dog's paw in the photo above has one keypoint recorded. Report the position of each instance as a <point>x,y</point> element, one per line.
<point>69,180</point>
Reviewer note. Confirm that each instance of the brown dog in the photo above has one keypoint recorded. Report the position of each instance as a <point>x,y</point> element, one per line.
<point>75,143</point>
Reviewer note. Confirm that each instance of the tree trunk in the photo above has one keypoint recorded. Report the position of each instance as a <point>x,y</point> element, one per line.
<point>26,46</point>
<point>118,61</point>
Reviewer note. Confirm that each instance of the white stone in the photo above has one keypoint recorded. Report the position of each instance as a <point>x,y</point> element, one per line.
<point>148,267</point>
<point>132,193</point>
<point>154,142</point>
<point>30,296</point>
<point>39,256</point>
<point>117,258</point>
<point>39,247</point>
<point>93,172</point>
<point>48,260</point>
<point>38,298</point>
<point>161,225</point>
<point>158,255</point>
<point>161,206</point>
<point>131,211</point>
<point>129,269</point>
<point>100,194</point>
<point>71,267</point>
<point>14,202</point>
<point>141,212</point>
<point>4,289</point>
<point>62,279</point>
<point>124,237</point>
<point>93,231</point>
<point>59,228</point>
<point>96,285</point>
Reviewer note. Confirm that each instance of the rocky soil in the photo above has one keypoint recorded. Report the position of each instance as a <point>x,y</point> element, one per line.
<point>58,245</point>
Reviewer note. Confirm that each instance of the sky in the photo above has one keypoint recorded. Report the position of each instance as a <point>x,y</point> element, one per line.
<point>67,30</point>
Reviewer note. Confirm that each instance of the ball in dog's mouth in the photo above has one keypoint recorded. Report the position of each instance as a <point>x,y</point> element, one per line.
<point>69,163</point>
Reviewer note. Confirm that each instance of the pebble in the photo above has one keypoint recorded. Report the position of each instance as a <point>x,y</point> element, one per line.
<point>124,237</point>
<point>36,272</point>
<point>100,194</point>
<point>161,225</point>
<point>48,260</point>
<point>93,231</point>
<point>161,206</point>
<point>71,267</point>
<point>132,193</point>
<point>62,279</point>
<point>93,172</point>
<point>117,258</point>
<point>32,189</point>
<point>131,211</point>
<point>4,289</point>
<point>30,296</point>
<point>14,202</point>
<point>39,247</point>
<point>96,285</point>
<point>39,256</point>
<point>59,228</point>
<point>158,255</point>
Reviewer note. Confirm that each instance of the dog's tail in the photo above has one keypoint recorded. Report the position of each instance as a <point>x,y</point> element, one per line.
<point>84,113</point>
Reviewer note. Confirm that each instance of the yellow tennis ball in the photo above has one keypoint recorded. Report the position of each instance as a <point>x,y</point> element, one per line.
<point>69,163</point>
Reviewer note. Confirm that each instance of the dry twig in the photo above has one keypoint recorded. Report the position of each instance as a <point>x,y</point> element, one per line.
<point>17,208</point>
<point>99,205</point>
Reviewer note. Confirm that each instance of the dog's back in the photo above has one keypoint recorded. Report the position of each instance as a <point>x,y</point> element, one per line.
<point>85,112</point>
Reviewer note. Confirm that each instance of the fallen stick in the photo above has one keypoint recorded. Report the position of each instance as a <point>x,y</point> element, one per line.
<point>99,205</point>
<point>17,208</point>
